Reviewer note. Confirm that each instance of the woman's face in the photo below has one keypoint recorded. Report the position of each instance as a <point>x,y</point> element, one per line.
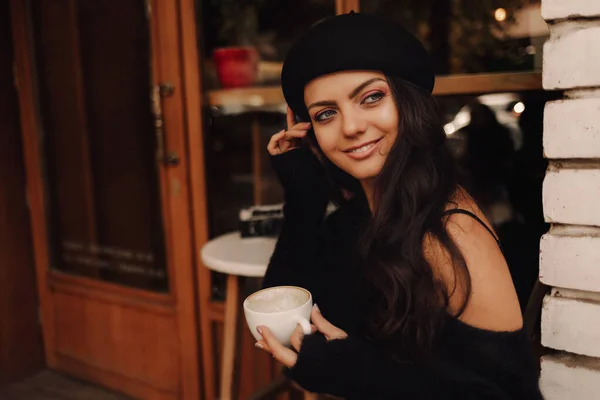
<point>355,120</point>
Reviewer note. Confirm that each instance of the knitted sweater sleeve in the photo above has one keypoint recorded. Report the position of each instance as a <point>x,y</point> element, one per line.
<point>306,191</point>
<point>354,368</point>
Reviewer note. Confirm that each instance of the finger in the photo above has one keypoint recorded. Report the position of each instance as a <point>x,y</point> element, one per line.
<point>272,147</point>
<point>302,126</point>
<point>287,357</point>
<point>261,344</point>
<point>277,137</point>
<point>325,327</point>
<point>286,144</point>
<point>297,337</point>
<point>295,133</point>
<point>291,118</point>
<point>281,353</point>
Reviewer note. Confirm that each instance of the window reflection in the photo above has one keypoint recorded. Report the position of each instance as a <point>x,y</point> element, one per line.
<point>496,140</point>
<point>268,27</point>
<point>472,36</point>
<point>102,185</point>
<point>239,172</point>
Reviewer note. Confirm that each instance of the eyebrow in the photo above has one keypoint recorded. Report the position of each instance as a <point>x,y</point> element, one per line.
<point>353,94</point>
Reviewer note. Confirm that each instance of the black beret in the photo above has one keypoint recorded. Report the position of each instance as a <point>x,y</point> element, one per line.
<point>353,41</point>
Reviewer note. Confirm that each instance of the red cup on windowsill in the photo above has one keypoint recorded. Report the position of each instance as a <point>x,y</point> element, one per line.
<point>236,66</point>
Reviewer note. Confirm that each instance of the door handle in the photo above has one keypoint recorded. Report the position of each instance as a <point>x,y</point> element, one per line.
<point>158,91</point>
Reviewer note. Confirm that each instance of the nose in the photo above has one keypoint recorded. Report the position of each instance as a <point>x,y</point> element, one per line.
<point>353,125</point>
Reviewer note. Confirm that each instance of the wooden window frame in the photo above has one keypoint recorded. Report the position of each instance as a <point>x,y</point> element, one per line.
<point>270,98</point>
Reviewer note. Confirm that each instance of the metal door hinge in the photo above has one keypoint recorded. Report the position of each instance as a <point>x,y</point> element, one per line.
<point>169,158</point>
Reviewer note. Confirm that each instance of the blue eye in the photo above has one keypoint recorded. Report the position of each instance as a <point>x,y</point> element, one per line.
<point>324,115</point>
<point>373,98</point>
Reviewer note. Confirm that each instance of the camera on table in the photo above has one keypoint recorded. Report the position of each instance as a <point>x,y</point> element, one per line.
<point>264,220</point>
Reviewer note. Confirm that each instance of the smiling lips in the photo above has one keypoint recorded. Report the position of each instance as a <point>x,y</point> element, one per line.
<point>362,151</point>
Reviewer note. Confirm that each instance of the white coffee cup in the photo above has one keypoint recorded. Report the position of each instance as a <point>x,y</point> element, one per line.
<point>280,309</point>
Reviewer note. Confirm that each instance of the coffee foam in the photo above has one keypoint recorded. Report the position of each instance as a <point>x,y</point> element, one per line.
<point>277,300</point>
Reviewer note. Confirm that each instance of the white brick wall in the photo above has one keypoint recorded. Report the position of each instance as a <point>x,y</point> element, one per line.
<point>572,56</point>
<point>557,9</point>
<point>571,194</point>
<point>570,378</point>
<point>570,252</point>
<point>569,258</point>
<point>571,128</point>
<point>571,325</point>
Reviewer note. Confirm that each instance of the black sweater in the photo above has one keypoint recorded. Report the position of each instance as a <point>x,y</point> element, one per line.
<point>319,253</point>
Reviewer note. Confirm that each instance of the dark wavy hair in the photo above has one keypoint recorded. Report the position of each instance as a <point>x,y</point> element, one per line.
<point>407,302</point>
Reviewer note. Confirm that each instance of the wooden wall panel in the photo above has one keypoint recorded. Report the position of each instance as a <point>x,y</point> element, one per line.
<point>137,346</point>
<point>21,350</point>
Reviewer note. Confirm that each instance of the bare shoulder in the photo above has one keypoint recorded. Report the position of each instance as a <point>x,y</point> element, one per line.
<point>493,303</point>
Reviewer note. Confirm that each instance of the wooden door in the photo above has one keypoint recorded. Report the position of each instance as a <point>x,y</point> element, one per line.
<point>21,351</point>
<point>102,87</point>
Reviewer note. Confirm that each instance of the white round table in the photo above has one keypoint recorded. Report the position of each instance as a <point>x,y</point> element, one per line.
<point>233,255</point>
<point>237,257</point>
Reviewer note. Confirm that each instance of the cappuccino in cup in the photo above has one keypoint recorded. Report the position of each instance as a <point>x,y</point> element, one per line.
<point>280,309</point>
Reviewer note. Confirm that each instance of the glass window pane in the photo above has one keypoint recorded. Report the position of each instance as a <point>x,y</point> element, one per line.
<point>240,171</point>
<point>496,140</point>
<point>243,45</point>
<point>266,27</point>
<point>472,36</point>
<point>93,72</point>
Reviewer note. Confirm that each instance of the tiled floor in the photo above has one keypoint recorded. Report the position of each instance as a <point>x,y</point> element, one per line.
<point>49,385</point>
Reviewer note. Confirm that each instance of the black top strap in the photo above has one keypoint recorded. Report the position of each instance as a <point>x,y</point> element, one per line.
<point>470,214</point>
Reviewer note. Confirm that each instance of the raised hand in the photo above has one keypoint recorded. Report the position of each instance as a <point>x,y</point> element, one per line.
<point>286,140</point>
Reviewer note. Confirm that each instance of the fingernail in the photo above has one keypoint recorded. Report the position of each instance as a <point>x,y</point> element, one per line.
<point>260,346</point>
<point>316,307</point>
<point>259,329</point>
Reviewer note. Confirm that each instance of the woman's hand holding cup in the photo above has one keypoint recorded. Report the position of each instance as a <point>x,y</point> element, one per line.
<point>289,357</point>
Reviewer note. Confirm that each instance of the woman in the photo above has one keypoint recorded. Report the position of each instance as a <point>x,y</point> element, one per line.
<point>414,297</point>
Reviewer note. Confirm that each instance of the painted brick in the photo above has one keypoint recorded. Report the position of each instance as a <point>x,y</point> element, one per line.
<point>571,325</point>
<point>571,258</point>
<point>572,196</point>
<point>569,377</point>
<point>558,9</point>
<point>572,129</point>
<point>572,56</point>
